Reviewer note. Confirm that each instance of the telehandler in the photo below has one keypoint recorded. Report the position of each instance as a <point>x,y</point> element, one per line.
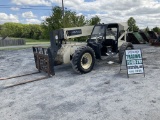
<point>104,40</point>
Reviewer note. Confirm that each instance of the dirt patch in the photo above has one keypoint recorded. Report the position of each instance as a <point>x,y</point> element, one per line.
<point>103,94</point>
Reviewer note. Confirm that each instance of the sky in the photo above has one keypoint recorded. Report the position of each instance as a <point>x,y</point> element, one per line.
<point>145,12</point>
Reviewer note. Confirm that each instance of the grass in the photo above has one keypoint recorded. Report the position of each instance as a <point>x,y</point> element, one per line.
<point>35,42</point>
<point>29,44</point>
<point>11,49</point>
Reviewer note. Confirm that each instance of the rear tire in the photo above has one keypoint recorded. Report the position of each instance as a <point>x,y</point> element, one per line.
<point>125,46</point>
<point>83,60</point>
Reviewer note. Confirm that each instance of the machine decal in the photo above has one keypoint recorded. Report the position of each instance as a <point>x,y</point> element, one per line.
<point>74,32</point>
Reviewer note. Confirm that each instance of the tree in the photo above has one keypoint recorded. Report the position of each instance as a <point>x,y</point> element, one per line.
<point>156,29</point>
<point>1,27</point>
<point>132,24</point>
<point>71,19</point>
<point>21,30</point>
<point>56,20</point>
<point>147,29</point>
<point>94,20</point>
<point>6,30</point>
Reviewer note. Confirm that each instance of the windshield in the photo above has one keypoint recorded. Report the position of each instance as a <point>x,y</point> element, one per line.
<point>98,32</point>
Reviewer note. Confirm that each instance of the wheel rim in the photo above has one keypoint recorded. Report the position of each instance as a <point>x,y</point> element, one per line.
<point>86,60</point>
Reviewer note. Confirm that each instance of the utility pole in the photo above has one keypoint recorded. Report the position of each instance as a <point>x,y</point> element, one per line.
<point>63,12</point>
<point>63,8</point>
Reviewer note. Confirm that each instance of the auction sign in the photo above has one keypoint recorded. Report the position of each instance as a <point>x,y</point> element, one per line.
<point>134,61</point>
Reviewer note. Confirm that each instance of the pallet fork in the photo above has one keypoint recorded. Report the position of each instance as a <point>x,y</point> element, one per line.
<point>44,60</point>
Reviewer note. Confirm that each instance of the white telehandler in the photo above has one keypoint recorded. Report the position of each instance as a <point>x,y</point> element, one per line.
<point>104,40</point>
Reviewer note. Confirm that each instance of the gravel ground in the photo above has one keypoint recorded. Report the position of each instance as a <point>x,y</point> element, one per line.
<point>103,94</point>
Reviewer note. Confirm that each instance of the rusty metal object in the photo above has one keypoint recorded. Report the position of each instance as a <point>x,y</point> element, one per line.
<point>18,76</point>
<point>154,42</point>
<point>21,83</point>
<point>153,34</point>
<point>43,60</point>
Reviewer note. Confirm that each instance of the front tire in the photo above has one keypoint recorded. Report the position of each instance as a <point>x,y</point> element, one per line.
<point>83,60</point>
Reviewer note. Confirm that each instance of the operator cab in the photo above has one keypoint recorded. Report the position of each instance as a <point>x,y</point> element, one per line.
<point>104,39</point>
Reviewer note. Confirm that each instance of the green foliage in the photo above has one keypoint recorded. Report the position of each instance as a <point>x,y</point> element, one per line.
<point>94,20</point>
<point>147,29</point>
<point>6,30</point>
<point>1,26</point>
<point>33,31</point>
<point>53,22</point>
<point>71,19</point>
<point>56,20</point>
<point>156,29</point>
<point>132,24</point>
